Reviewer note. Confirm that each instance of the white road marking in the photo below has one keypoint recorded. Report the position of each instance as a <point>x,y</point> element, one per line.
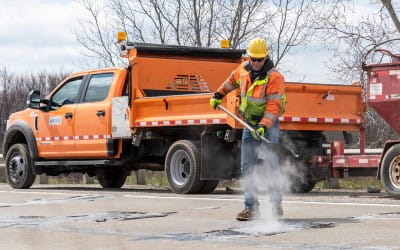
<point>285,201</point>
<point>183,197</point>
<point>343,203</point>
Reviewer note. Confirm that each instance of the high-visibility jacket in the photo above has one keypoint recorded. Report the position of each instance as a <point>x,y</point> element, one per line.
<point>263,100</point>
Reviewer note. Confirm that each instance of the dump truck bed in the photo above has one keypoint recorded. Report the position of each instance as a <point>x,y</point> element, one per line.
<point>172,87</point>
<point>322,107</point>
<point>310,107</point>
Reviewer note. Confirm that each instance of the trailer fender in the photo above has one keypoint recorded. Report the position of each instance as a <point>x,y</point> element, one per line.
<point>20,132</point>
<point>388,145</point>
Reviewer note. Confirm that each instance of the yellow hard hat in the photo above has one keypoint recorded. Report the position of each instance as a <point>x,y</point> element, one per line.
<point>257,48</point>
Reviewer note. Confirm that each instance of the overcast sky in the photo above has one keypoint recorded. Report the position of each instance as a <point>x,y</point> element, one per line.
<point>37,35</point>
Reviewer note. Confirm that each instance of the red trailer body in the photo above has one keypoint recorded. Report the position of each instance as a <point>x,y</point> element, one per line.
<point>383,95</point>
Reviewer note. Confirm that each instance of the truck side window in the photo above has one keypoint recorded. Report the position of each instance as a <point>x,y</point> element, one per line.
<point>98,88</point>
<point>67,94</point>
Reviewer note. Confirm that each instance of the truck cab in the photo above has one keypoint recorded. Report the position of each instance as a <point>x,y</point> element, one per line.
<point>72,122</point>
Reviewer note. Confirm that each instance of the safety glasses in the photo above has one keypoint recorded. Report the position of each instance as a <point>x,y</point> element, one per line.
<point>257,59</point>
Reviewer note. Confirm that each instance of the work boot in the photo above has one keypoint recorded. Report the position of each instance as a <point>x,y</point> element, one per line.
<point>248,214</point>
<point>277,210</point>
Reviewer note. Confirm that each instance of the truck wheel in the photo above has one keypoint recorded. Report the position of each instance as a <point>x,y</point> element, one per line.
<point>182,167</point>
<point>111,178</point>
<point>303,186</point>
<point>208,187</point>
<point>390,171</point>
<point>19,167</point>
<point>302,178</point>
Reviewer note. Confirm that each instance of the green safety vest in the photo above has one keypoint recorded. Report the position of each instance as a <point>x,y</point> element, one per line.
<point>253,108</point>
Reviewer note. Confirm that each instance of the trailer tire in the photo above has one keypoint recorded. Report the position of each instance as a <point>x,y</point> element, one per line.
<point>208,187</point>
<point>19,167</point>
<point>111,178</point>
<point>182,167</point>
<point>390,171</point>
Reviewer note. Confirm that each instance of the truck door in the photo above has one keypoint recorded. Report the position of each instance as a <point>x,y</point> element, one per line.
<point>54,129</point>
<point>92,126</point>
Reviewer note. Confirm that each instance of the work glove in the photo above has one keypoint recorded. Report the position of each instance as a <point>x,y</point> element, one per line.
<point>216,100</point>
<point>259,132</point>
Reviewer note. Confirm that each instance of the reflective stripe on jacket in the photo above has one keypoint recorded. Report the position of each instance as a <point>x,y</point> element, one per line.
<point>262,101</point>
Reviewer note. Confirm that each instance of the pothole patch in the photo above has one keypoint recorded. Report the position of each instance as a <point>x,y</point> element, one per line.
<point>380,216</point>
<point>53,201</point>
<point>269,228</point>
<point>249,229</point>
<point>37,221</point>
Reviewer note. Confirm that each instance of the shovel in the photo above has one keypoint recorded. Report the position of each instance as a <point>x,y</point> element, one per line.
<point>252,130</point>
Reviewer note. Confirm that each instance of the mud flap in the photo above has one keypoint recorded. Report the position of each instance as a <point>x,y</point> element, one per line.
<point>219,159</point>
<point>120,118</point>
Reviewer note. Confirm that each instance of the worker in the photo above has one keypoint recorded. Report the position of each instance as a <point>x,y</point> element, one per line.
<point>262,90</point>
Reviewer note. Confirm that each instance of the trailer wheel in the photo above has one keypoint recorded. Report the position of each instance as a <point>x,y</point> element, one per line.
<point>19,167</point>
<point>390,171</point>
<point>182,167</point>
<point>111,178</point>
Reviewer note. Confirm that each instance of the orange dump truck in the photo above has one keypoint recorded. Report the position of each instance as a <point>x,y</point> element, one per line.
<point>155,114</point>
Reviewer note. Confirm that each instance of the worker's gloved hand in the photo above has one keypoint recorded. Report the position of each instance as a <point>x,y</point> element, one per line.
<point>259,132</point>
<point>216,100</point>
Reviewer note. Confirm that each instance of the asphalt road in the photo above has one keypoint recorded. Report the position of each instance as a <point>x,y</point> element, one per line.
<point>87,217</point>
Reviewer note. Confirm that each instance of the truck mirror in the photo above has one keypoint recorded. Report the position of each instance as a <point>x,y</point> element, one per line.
<point>33,99</point>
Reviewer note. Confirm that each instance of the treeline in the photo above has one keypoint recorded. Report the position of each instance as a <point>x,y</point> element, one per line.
<point>14,89</point>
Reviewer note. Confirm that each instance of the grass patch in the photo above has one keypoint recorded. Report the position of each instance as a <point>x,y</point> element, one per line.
<point>148,177</point>
<point>354,183</point>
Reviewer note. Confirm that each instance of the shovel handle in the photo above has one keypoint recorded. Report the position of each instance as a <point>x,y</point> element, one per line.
<point>242,122</point>
<point>250,128</point>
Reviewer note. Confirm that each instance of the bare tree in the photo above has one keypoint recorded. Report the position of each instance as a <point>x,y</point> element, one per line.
<point>352,43</point>
<point>190,22</point>
<point>294,23</point>
<point>391,10</point>
<point>285,23</point>
<point>242,20</point>
<point>14,89</point>
<point>95,34</point>
<point>377,130</point>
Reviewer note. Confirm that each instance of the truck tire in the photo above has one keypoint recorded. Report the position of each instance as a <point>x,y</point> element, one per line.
<point>208,187</point>
<point>111,178</point>
<point>306,144</point>
<point>303,186</point>
<point>300,178</point>
<point>19,167</point>
<point>390,171</point>
<point>182,167</point>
